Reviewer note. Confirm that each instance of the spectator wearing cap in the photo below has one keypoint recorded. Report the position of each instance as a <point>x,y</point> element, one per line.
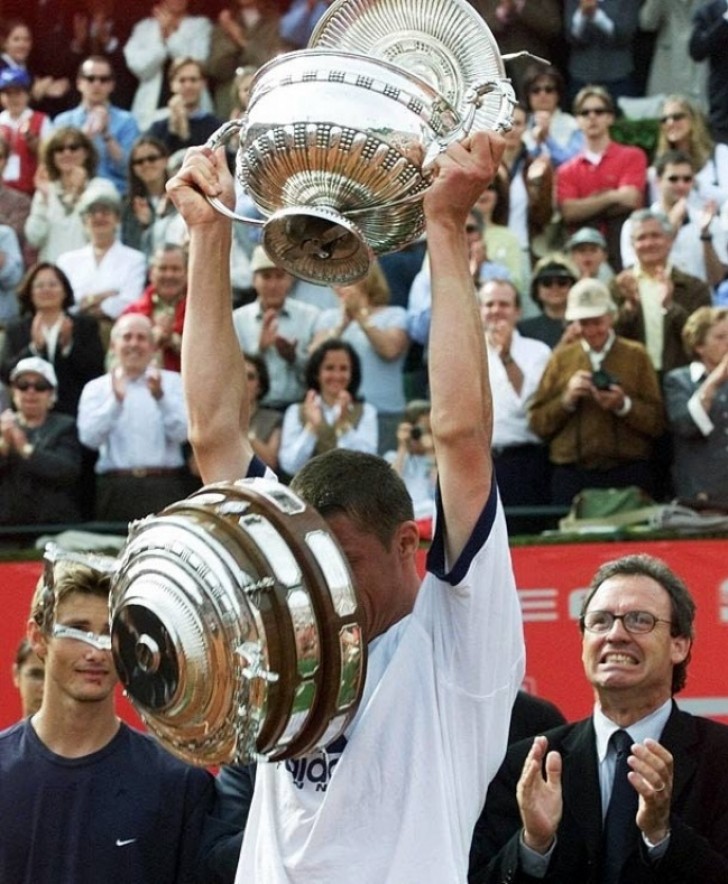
<point>553,276</point>
<point>105,275</point>
<point>40,457</point>
<point>654,297</point>
<point>135,417</point>
<point>598,405</point>
<point>699,245</point>
<point>605,181</point>
<point>112,129</point>
<point>22,128</point>
<point>278,328</point>
<point>587,248</point>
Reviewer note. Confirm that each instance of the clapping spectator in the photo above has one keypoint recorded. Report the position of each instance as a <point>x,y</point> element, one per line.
<point>330,415</point>
<point>551,131</point>
<point>300,21</point>
<point>264,423</point>
<point>40,458</point>
<point>46,328</point>
<point>111,129</point>
<point>378,333</point>
<point>22,128</point>
<point>148,217</point>
<point>696,399</point>
<point>168,33</point>
<point>246,34</point>
<point>68,166</point>
<point>17,44</point>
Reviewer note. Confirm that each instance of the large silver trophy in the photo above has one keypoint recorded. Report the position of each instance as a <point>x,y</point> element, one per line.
<point>337,145</point>
<point>236,627</point>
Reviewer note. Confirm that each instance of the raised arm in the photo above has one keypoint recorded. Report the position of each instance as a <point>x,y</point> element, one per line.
<point>460,392</point>
<point>213,369</point>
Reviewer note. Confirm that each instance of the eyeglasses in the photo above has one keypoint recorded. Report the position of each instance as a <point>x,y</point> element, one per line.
<point>100,642</point>
<point>72,145</point>
<point>97,78</point>
<point>673,118</point>
<point>597,111</point>
<point>534,90</point>
<point>685,179</point>
<point>38,386</point>
<point>551,281</point>
<point>636,622</point>
<point>150,158</point>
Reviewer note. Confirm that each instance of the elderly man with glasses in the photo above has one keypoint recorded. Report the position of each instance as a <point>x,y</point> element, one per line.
<point>549,812</point>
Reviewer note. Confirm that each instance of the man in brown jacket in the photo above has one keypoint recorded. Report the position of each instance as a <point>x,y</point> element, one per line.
<point>598,404</point>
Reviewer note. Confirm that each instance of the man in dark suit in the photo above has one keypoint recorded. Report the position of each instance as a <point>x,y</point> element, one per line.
<point>709,39</point>
<point>545,811</point>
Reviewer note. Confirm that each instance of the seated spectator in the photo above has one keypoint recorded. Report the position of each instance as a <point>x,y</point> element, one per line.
<point>378,333</point>
<point>14,207</point>
<point>515,367</point>
<point>183,123</point>
<point>46,328</point>
<point>40,458</point>
<point>163,301</point>
<point>265,423</point>
<point>330,416</point>
<point>601,44</point>
<point>135,417</point>
<point>598,404</point>
<point>168,33</point>
<point>671,66</point>
<point>603,183</point>
<point>587,249</point>
<point>147,214</point>
<point>696,400</point>
<point>414,461</point>
<point>278,328</point>
<point>709,42</point>
<point>699,245</point>
<point>553,276</point>
<point>68,165</point>
<point>550,130</point>
<point>111,129</point>
<point>683,127</point>
<point>246,34</point>
<point>105,275</point>
<point>654,297</point>
<point>28,678</point>
<point>11,272</point>
<point>22,127</point>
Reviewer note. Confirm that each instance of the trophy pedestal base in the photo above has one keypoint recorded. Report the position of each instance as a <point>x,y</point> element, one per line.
<point>318,244</point>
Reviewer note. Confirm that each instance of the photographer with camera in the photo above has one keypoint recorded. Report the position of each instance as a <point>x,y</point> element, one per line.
<point>598,404</point>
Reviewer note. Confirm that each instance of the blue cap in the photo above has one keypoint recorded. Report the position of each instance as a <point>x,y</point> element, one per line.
<point>14,78</point>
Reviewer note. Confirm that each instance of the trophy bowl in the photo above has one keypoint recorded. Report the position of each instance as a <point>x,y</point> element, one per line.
<point>336,150</point>
<point>235,626</point>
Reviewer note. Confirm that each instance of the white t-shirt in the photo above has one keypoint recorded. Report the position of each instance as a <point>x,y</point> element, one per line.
<point>398,805</point>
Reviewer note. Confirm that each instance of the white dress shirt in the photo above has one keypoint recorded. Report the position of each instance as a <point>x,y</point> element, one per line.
<point>121,269</point>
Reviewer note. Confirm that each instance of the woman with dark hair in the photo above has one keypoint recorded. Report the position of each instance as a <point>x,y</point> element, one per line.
<point>45,328</point>
<point>331,415</point>
<point>68,163</point>
<point>551,131</point>
<point>265,423</point>
<point>147,211</point>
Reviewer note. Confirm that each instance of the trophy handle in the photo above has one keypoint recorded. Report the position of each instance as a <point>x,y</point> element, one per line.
<point>473,98</point>
<point>217,139</point>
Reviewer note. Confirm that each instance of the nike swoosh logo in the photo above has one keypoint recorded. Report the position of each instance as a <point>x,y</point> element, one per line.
<point>120,843</point>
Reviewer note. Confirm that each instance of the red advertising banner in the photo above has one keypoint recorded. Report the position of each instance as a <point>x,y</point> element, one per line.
<point>551,581</point>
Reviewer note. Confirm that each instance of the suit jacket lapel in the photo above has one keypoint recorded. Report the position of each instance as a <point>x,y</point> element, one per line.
<point>580,780</point>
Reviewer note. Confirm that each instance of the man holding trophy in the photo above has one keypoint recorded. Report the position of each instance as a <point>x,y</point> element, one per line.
<point>396,798</point>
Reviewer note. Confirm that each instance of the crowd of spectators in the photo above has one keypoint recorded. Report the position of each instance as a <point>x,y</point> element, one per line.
<point>99,104</point>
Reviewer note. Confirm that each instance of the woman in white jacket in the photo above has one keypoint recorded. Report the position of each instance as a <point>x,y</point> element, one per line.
<point>168,33</point>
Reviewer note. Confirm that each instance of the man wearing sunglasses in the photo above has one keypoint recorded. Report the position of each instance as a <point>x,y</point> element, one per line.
<point>549,808</point>
<point>85,798</point>
<point>603,183</point>
<point>112,129</point>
